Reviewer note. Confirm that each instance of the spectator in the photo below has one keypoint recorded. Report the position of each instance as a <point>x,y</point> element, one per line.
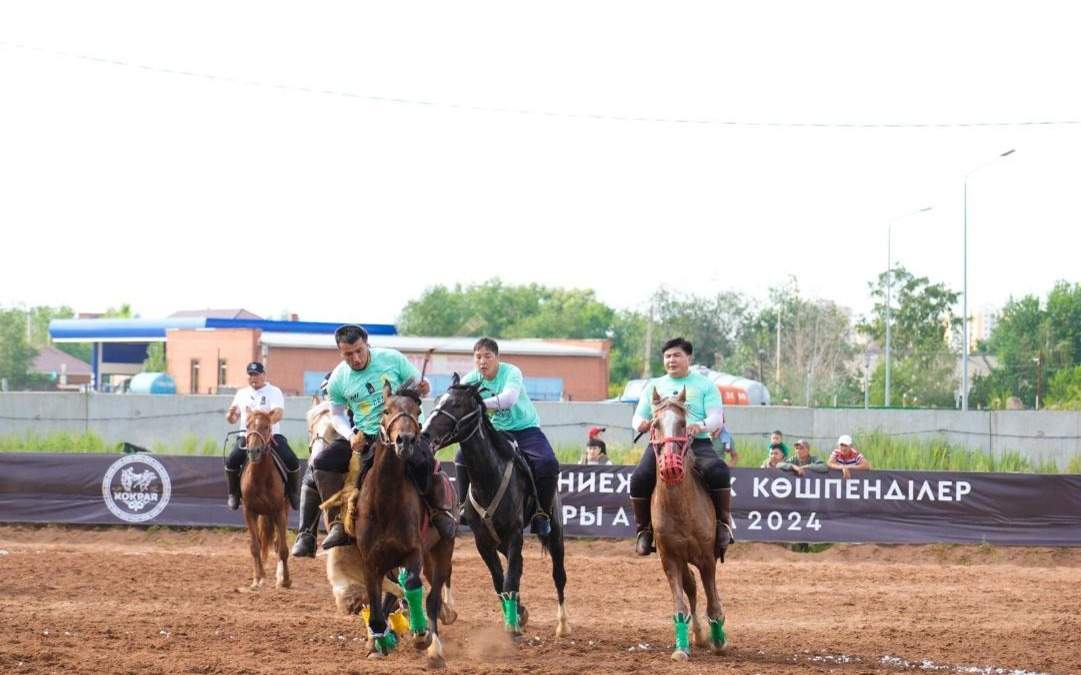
<point>775,458</point>
<point>847,458</point>
<point>776,439</point>
<point>803,461</point>
<point>595,432</point>
<point>596,452</point>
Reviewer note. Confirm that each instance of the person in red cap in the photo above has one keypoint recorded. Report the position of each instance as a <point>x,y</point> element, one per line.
<point>595,432</point>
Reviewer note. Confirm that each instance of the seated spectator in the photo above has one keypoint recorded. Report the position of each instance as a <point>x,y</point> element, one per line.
<point>595,432</point>
<point>847,458</point>
<point>803,461</point>
<point>596,452</point>
<point>775,458</point>
<point>776,439</point>
<point>724,443</point>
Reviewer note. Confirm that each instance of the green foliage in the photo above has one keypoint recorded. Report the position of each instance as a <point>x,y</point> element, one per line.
<point>155,358</point>
<point>16,353</point>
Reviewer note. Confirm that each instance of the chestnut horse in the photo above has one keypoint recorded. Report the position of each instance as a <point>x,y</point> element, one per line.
<point>266,509</point>
<point>684,529</point>
<point>392,532</point>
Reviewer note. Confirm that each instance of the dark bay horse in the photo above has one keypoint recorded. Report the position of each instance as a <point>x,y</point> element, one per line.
<point>266,509</point>
<point>684,528</point>
<point>497,507</point>
<point>392,532</point>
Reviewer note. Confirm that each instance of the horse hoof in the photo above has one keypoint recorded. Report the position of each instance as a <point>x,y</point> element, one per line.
<point>437,662</point>
<point>447,615</point>
<point>375,655</point>
<point>563,630</point>
<point>523,616</point>
<point>422,640</point>
<point>680,656</point>
<point>719,649</point>
<point>285,583</point>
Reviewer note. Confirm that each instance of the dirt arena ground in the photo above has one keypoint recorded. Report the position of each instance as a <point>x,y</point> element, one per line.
<point>80,600</point>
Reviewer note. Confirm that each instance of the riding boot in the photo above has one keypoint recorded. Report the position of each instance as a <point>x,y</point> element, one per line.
<point>292,487</point>
<point>462,482</point>
<point>644,543</point>
<point>232,479</point>
<point>330,483</point>
<point>722,504</point>
<point>309,522</point>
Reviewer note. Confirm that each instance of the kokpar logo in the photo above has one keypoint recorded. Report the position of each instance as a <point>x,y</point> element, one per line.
<point>136,488</point>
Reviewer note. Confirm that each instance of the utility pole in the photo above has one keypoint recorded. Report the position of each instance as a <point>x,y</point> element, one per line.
<point>777,375</point>
<point>649,342</point>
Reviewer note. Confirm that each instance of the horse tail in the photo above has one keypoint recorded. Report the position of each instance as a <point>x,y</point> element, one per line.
<point>266,533</point>
<point>545,543</point>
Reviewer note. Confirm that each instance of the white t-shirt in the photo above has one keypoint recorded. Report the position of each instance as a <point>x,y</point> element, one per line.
<point>264,400</point>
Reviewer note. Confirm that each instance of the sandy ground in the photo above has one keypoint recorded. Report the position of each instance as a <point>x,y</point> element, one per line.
<point>82,600</point>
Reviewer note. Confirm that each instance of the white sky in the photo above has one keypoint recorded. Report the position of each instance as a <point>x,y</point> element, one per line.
<point>170,191</point>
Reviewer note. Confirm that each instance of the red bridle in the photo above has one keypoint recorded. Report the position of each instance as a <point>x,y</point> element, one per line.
<point>670,462</point>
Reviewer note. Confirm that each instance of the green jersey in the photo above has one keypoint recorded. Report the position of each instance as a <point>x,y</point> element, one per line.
<point>702,396</point>
<point>362,390</point>
<point>521,415</point>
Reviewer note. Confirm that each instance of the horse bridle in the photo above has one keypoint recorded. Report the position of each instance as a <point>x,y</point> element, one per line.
<point>459,422</point>
<point>670,467</point>
<point>385,427</point>
<point>267,442</point>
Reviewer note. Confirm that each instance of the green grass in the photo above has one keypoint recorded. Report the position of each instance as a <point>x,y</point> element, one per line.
<point>883,451</point>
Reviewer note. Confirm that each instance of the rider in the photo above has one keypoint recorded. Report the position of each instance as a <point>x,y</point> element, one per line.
<point>705,414</point>
<point>356,385</point>
<point>309,496</point>
<point>513,413</point>
<point>261,396</point>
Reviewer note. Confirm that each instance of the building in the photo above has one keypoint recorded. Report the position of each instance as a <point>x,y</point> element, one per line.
<point>206,354</point>
<point>64,371</point>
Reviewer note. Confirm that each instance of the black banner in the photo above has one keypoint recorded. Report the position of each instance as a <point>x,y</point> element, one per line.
<point>873,506</point>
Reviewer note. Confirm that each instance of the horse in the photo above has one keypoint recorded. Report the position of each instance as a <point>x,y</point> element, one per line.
<point>684,529</point>
<point>266,509</point>
<point>343,562</point>
<point>392,531</point>
<point>499,495</point>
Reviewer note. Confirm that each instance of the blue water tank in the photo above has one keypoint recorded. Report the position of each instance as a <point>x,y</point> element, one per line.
<point>152,383</point>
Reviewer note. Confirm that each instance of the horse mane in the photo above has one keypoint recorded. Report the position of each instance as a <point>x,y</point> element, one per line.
<point>499,442</point>
<point>409,392</point>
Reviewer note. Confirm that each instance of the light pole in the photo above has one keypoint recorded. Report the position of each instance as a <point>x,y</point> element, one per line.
<point>964,289</point>
<point>889,286</point>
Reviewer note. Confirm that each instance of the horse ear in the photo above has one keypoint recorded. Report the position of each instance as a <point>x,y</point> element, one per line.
<point>316,400</point>
<point>656,397</point>
<point>455,380</point>
<point>387,390</point>
<point>683,395</point>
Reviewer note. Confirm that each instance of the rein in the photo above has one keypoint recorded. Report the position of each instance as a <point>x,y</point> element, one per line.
<point>670,465</point>
<point>384,430</point>
<point>266,442</point>
<point>459,422</point>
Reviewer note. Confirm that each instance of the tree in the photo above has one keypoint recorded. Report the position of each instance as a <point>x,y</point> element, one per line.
<point>16,353</point>
<point>922,323</point>
<point>155,358</point>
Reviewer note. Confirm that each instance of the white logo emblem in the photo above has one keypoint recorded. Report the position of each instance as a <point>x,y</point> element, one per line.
<point>141,490</point>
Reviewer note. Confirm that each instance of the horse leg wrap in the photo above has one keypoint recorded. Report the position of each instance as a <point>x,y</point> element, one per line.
<point>510,611</point>
<point>716,631</point>
<point>683,642</point>
<point>418,620</point>
<point>385,642</point>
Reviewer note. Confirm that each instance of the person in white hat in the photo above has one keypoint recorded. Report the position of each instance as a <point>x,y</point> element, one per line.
<point>846,458</point>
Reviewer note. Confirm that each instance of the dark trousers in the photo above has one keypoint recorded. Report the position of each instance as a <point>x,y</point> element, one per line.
<point>334,457</point>
<point>281,448</point>
<point>536,449</point>
<point>713,470</point>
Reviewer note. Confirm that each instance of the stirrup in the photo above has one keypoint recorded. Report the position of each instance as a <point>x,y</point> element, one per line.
<point>540,524</point>
<point>643,543</point>
<point>336,536</point>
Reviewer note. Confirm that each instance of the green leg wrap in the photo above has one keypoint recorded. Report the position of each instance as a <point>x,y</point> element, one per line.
<point>418,620</point>
<point>716,631</point>
<point>386,642</point>
<point>683,642</point>
<point>510,611</point>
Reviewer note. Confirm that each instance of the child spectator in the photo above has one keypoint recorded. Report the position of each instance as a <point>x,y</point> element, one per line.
<point>847,458</point>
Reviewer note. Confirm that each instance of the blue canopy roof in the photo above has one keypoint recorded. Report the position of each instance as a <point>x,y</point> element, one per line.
<point>152,330</point>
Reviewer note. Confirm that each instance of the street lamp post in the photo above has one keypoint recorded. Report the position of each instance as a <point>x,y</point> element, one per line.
<point>964,289</point>
<point>889,286</point>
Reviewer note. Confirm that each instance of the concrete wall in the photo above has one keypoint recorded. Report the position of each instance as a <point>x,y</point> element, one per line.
<point>145,419</point>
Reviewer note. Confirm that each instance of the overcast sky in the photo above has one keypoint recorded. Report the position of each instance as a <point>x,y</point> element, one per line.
<point>334,159</point>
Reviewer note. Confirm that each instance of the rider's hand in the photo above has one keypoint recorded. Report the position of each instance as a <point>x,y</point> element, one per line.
<point>357,442</point>
<point>644,426</point>
<point>233,415</point>
<point>694,429</point>
<point>425,387</point>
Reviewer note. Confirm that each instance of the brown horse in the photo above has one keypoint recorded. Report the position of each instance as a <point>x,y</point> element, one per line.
<point>266,509</point>
<point>391,531</point>
<point>684,529</point>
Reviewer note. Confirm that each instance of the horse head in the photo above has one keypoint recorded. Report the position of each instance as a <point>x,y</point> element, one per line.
<point>320,426</point>
<point>259,434</point>
<point>400,426</point>
<point>457,414</point>
<point>668,435</point>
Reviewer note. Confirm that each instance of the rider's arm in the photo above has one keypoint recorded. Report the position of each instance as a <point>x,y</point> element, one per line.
<point>340,421</point>
<point>277,405</point>
<point>714,419</point>
<point>643,413</point>
<point>504,400</point>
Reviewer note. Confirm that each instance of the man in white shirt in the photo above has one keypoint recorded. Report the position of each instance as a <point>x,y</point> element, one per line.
<point>262,396</point>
